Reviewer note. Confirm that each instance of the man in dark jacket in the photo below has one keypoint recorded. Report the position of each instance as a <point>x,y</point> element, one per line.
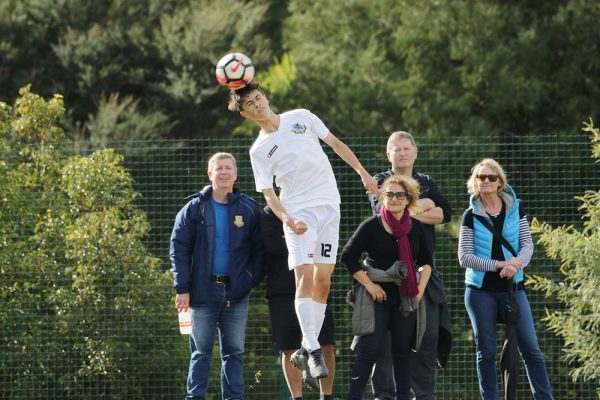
<point>217,256</point>
<point>434,209</point>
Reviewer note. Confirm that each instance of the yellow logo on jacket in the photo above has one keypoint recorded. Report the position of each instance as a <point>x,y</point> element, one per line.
<point>238,221</point>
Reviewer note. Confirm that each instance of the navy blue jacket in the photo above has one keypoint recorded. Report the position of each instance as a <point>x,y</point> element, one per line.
<point>193,244</point>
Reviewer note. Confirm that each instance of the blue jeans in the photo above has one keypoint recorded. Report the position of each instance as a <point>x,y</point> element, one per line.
<point>230,319</point>
<point>483,307</point>
<point>387,320</point>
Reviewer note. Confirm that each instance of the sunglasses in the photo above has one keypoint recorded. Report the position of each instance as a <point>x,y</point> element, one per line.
<point>398,195</point>
<point>491,178</point>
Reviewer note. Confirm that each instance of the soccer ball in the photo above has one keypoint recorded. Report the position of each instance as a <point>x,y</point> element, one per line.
<point>235,70</point>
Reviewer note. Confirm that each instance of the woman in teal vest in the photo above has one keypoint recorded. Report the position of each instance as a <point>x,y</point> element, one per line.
<point>491,271</point>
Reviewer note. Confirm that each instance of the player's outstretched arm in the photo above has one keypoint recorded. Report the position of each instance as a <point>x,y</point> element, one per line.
<point>344,152</point>
<point>299,227</point>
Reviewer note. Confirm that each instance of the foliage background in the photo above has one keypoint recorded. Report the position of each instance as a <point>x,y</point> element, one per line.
<point>455,70</point>
<point>579,251</point>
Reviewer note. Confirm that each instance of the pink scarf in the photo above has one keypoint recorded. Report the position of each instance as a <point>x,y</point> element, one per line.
<point>400,229</point>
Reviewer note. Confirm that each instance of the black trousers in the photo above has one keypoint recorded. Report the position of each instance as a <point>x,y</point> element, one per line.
<point>423,362</point>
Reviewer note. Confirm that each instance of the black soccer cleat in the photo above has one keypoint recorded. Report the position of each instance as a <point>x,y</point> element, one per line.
<point>300,361</point>
<point>316,365</point>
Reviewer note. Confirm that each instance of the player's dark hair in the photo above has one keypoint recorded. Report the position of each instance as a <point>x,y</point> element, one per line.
<point>236,97</point>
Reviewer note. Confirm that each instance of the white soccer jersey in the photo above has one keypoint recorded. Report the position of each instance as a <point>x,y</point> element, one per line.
<point>294,156</point>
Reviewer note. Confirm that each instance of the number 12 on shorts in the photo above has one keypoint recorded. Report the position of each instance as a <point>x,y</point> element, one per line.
<point>325,250</point>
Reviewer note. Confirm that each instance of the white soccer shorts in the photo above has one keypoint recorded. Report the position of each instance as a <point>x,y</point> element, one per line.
<point>319,244</point>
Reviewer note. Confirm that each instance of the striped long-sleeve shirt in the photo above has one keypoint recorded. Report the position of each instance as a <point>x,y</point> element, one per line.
<point>466,254</point>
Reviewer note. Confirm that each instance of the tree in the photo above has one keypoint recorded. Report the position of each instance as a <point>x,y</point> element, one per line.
<point>578,324</point>
<point>86,305</point>
<point>148,64</point>
<point>449,69</point>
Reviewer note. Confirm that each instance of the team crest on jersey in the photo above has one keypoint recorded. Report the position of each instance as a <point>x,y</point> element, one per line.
<point>298,128</point>
<point>238,221</point>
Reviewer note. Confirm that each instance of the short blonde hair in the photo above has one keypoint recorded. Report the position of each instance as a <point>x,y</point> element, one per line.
<point>473,187</point>
<point>400,135</point>
<point>221,156</point>
<point>409,184</point>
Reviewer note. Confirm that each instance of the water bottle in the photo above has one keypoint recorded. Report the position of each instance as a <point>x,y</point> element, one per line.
<point>185,321</point>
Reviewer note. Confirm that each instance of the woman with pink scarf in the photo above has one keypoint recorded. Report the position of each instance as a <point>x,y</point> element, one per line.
<point>386,238</point>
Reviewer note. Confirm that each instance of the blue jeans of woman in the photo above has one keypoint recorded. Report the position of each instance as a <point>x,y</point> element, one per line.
<point>402,330</point>
<point>230,320</point>
<point>483,308</point>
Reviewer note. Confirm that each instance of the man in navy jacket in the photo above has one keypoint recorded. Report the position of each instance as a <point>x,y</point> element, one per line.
<point>217,257</point>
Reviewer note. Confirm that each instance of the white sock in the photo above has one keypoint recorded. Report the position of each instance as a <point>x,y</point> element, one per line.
<point>319,316</point>
<point>306,318</point>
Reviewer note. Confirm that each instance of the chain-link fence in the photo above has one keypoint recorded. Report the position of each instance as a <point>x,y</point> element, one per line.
<point>547,171</point>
